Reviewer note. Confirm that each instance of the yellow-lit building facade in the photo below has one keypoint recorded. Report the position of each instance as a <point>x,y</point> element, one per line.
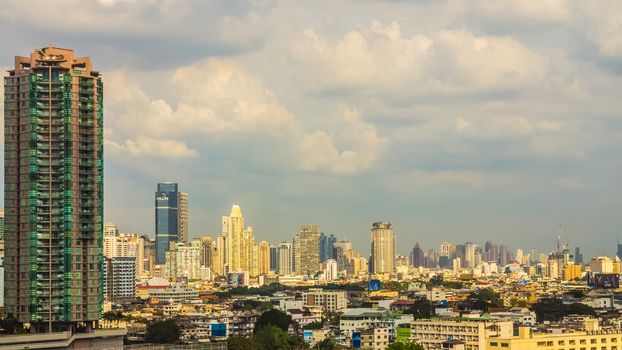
<point>572,272</point>
<point>594,338</point>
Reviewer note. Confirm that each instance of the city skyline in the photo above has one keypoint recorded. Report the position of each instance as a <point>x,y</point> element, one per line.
<point>452,148</point>
<point>437,245</point>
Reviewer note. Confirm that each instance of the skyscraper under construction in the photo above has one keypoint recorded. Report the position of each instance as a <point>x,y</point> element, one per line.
<point>53,190</point>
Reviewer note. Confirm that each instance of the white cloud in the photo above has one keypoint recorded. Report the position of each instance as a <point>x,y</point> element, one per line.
<point>219,99</point>
<point>319,151</point>
<point>603,21</point>
<point>446,61</point>
<point>145,146</point>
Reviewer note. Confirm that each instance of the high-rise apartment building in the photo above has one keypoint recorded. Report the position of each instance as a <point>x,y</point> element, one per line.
<point>341,254</point>
<point>286,259</point>
<point>382,248</point>
<point>182,219</point>
<point>263,258</point>
<point>307,250</point>
<point>110,239</point>
<point>149,255</point>
<point>119,277</point>
<point>236,244</point>
<point>171,218</point>
<point>207,248</point>
<point>330,271</point>
<point>327,249</point>
<point>469,254</point>
<point>184,260</point>
<point>53,148</point>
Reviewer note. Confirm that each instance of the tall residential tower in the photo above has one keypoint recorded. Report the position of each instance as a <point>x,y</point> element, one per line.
<point>53,194</point>
<point>382,248</point>
<point>307,250</point>
<point>236,244</point>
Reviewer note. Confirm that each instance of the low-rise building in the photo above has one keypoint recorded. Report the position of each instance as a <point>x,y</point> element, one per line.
<point>375,338</point>
<point>360,319</point>
<point>329,300</point>
<point>594,337</point>
<point>174,294</point>
<point>431,333</point>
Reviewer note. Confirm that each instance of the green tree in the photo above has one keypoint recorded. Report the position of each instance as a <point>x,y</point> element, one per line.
<point>327,343</point>
<point>555,310</point>
<point>422,308</point>
<point>275,318</point>
<point>405,345</point>
<point>162,332</point>
<point>315,325</point>
<point>242,343</point>
<point>484,299</point>
<point>575,293</point>
<point>108,317</point>
<point>274,338</point>
<point>10,324</point>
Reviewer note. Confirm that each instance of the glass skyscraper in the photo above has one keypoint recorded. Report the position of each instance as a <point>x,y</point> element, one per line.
<point>327,247</point>
<point>171,218</point>
<point>53,192</point>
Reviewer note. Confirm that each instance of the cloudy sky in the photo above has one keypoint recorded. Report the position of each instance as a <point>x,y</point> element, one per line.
<point>456,120</point>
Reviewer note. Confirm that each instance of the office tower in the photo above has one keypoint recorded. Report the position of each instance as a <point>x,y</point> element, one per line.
<point>448,250</point>
<point>149,256</point>
<point>274,258</point>
<point>444,262</point>
<point>184,260</point>
<point>578,257</point>
<point>460,252</point>
<point>469,254</point>
<point>382,248</point>
<point>110,239</point>
<point>119,278</point>
<point>286,259</point>
<point>330,272</point>
<point>307,250</point>
<point>263,258</point>
<point>327,250</point>
<point>446,254</point>
<point>519,256</point>
<point>618,254</point>
<point>505,255</point>
<point>431,258</point>
<point>341,254</point>
<point>207,247</point>
<point>417,257</point>
<point>53,190</point>
<point>171,216</point>
<point>236,243</point>
<point>533,255</point>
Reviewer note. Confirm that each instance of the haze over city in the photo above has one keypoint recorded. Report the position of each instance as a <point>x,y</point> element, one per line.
<point>479,120</point>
